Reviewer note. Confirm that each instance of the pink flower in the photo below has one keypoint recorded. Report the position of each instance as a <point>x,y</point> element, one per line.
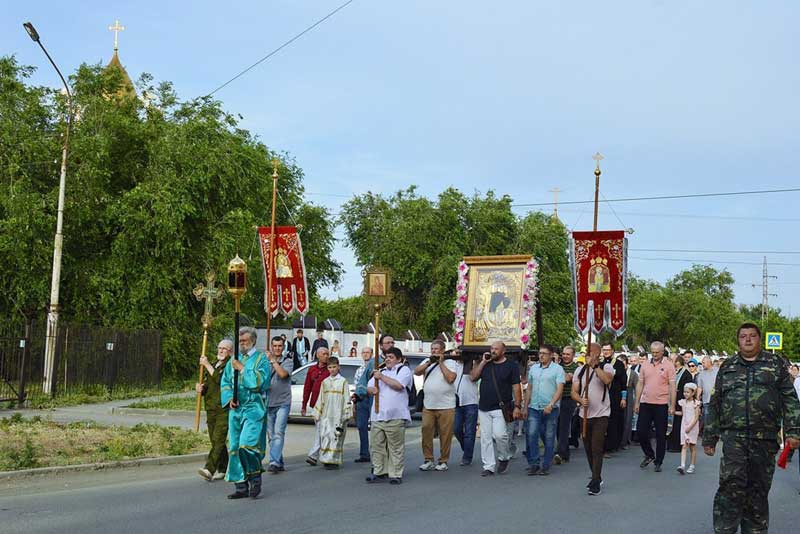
<point>523,326</point>
<point>525,297</point>
<point>460,324</point>
<point>524,338</point>
<point>462,298</point>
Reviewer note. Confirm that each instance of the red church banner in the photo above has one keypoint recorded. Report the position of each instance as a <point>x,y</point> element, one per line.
<point>599,262</point>
<point>285,281</point>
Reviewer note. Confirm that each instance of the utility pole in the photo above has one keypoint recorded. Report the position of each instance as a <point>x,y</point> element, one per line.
<point>765,295</point>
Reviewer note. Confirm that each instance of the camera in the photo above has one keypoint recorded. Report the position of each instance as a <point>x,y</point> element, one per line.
<point>487,356</point>
<point>434,359</point>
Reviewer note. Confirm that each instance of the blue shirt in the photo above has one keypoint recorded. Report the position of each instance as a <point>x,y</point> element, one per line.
<point>543,382</point>
<point>361,384</point>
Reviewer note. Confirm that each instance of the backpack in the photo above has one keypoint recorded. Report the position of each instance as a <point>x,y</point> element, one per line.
<point>580,374</point>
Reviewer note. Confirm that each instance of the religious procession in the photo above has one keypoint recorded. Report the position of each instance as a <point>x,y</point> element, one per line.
<point>364,266</point>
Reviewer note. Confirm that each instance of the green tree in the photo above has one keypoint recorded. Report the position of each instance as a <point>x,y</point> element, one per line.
<point>158,193</point>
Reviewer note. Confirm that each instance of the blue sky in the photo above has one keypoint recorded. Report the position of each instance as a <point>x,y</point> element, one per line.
<point>516,96</point>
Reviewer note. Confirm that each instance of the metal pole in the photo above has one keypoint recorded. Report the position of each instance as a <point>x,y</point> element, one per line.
<point>377,352</point>
<point>590,320</point>
<point>270,264</point>
<point>52,315</point>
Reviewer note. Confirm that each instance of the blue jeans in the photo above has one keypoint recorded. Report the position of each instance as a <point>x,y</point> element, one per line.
<point>464,429</point>
<point>541,426</point>
<point>277,417</point>
<point>363,408</point>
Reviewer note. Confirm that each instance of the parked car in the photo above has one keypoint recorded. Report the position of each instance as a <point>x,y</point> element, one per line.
<point>348,368</point>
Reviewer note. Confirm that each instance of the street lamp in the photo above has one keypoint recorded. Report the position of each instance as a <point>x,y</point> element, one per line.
<point>52,314</point>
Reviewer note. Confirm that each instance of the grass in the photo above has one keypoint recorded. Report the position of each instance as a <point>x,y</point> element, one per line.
<point>170,403</point>
<point>98,393</point>
<point>36,442</point>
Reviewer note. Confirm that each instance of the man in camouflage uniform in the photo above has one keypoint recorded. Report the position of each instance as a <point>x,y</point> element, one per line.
<point>216,414</point>
<point>752,395</point>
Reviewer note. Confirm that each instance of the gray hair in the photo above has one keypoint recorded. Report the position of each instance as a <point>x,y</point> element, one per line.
<point>250,331</point>
<point>226,342</point>
<point>316,354</point>
<point>656,345</point>
<point>438,343</point>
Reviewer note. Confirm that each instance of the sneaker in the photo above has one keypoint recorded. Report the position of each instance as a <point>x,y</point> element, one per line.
<point>502,466</point>
<point>681,470</point>
<point>205,473</point>
<point>594,488</point>
<point>487,473</point>
<point>273,469</point>
<point>647,461</point>
<point>533,470</point>
<point>441,466</point>
<point>218,476</point>
<point>362,459</point>
<point>311,461</point>
<point>691,469</point>
<point>590,483</point>
<point>427,466</point>
<point>544,472</point>
<point>557,459</point>
<point>465,462</point>
<point>658,468</point>
<point>395,481</point>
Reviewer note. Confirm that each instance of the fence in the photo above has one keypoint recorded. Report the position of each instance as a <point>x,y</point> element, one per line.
<point>87,357</point>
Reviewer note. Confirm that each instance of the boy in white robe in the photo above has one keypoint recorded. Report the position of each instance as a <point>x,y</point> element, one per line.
<point>333,410</point>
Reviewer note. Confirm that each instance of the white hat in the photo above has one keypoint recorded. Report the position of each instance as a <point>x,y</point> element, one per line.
<point>690,385</point>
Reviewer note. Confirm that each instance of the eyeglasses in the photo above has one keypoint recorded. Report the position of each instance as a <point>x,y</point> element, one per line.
<point>692,365</point>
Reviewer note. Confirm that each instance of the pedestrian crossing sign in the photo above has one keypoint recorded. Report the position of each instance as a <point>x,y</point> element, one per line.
<point>775,340</point>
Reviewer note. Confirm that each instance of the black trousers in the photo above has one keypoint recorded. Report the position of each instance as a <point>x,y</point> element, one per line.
<point>616,423</point>
<point>593,445</point>
<point>565,414</point>
<point>653,414</point>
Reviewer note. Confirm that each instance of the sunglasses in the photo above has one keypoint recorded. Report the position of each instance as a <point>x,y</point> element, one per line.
<point>692,365</point>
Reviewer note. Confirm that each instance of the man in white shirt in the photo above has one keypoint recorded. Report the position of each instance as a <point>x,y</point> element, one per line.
<point>439,402</point>
<point>466,419</point>
<point>388,433</point>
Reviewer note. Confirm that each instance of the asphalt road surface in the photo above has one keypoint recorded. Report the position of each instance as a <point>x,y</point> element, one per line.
<point>167,499</point>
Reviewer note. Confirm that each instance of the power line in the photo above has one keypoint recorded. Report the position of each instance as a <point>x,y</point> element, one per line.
<point>667,197</point>
<point>715,251</point>
<point>728,262</point>
<point>284,45</point>
<point>694,216</point>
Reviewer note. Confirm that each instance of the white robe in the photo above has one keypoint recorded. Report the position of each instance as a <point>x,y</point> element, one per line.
<point>333,411</point>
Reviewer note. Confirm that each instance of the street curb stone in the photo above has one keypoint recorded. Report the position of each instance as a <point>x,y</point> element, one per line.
<point>124,410</point>
<point>55,470</point>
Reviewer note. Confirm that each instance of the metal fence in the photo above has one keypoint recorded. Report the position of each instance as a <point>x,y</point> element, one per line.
<point>87,358</point>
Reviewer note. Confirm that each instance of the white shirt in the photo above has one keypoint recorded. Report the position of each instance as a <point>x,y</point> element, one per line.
<point>393,404</point>
<point>467,389</point>
<point>439,393</point>
<point>797,386</point>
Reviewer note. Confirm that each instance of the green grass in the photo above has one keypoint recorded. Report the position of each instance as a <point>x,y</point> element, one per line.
<point>98,393</point>
<point>35,442</point>
<point>169,403</point>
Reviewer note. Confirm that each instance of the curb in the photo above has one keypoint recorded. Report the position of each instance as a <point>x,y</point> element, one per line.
<point>124,410</point>
<point>56,470</point>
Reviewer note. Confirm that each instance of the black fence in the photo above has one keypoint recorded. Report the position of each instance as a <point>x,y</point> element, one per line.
<point>87,358</point>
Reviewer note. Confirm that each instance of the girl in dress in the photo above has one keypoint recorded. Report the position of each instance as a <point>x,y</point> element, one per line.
<point>690,408</point>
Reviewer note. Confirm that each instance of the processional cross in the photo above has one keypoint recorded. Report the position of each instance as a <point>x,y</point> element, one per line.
<point>116,28</point>
<point>209,293</point>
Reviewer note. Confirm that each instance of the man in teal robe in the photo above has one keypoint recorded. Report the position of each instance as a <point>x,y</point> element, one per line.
<point>247,418</point>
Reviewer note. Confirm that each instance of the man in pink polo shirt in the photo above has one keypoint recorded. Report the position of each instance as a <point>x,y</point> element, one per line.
<point>655,400</point>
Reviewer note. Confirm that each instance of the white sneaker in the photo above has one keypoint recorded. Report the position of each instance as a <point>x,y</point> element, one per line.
<point>427,466</point>
<point>218,476</point>
<point>205,473</point>
<point>441,467</point>
<point>691,469</point>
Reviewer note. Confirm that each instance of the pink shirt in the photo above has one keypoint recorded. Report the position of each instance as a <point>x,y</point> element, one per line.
<point>655,379</point>
<point>598,407</point>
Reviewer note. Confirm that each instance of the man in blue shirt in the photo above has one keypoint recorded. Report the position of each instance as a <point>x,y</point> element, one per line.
<point>363,403</point>
<point>543,398</point>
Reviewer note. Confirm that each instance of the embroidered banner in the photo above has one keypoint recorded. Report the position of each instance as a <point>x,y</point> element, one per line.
<point>285,283</point>
<point>599,263</point>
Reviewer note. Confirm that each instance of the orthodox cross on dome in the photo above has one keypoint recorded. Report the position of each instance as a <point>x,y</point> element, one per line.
<point>555,192</point>
<point>598,157</point>
<point>116,28</point>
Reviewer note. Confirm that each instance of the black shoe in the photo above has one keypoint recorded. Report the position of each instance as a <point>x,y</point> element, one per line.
<point>647,461</point>
<point>395,481</point>
<point>590,483</point>
<point>658,468</point>
<point>594,488</point>
<point>330,467</point>
<point>311,461</point>
<point>487,473</point>
<point>362,460</point>
<point>544,472</point>
<point>502,466</point>
<point>372,479</point>
<point>241,491</point>
<point>255,486</point>
<point>533,470</point>
<point>273,469</point>
<point>465,463</point>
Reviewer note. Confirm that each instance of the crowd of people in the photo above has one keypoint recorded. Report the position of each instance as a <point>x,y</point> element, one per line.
<point>606,400</point>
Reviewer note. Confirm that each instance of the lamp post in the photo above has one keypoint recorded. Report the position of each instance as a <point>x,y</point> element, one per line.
<point>52,314</point>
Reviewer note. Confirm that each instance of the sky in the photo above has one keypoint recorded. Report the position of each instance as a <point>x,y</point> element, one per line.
<point>515,96</point>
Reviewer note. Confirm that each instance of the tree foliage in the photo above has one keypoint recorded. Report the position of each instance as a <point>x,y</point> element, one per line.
<point>158,193</point>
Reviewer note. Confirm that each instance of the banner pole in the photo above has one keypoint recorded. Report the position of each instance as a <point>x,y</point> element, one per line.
<point>270,263</point>
<point>589,319</point>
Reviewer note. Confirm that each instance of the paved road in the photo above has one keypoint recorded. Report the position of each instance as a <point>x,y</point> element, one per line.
<point>308,499</point>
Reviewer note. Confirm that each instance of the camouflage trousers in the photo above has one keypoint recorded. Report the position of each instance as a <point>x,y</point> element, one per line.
<point>217,422</point>
<point>745,478</point>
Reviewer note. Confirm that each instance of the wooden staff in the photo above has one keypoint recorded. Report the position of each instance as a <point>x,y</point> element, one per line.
<point>590,319</point>
<point>270,264</point>
<point>200,381</point>
<point>377,352</point>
